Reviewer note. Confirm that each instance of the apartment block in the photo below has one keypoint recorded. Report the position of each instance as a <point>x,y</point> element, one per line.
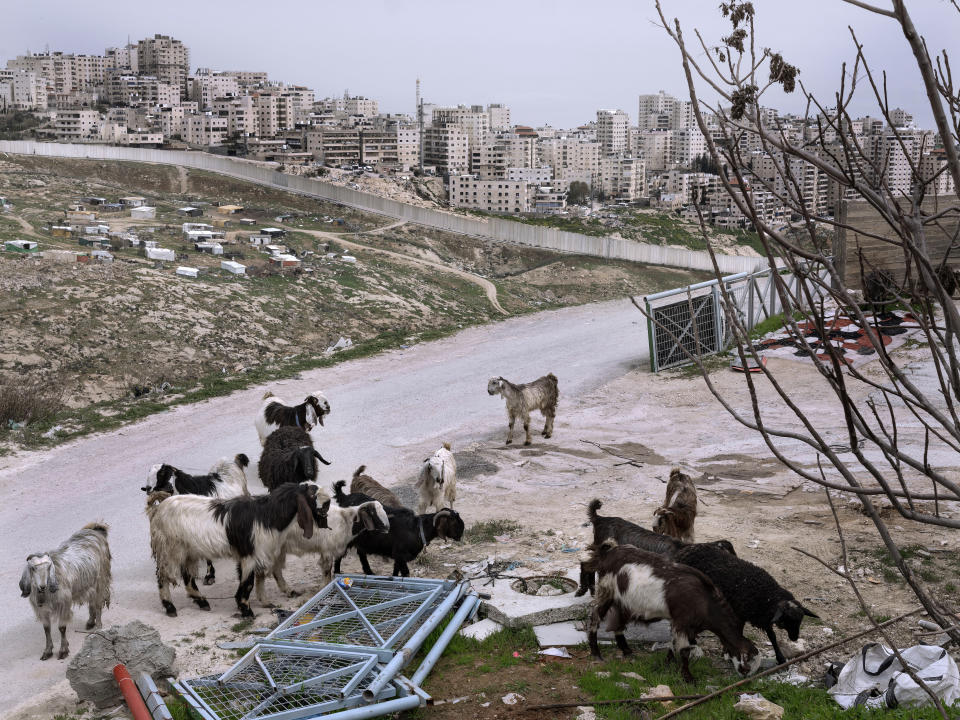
<point>688,144</point>
<point>28,91</point>
<point>362,106</point>
<point>241,115</point>
<point>446,148</point>
<point>408,146</point>
<point>612,131</point>
<point>507,150</point>
<point>622,178</point>
<point>248,79</point>
<point>499,117</point>
<point>167,59</point>
<point>571,158</point>
<point>379,147</point>
<point>496,196</point>
<point>124,59</point>
<point>77,125</point>
<point>334,146</point>
<point>206,130</point>
<point>207,86</point>
<point>139,90</point>
<point>474,121</point>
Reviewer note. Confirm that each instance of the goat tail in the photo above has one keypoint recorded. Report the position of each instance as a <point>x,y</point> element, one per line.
<point>359,471</point>
<point>100,527</point>
<point>338,490</point>
<point>267,394</point>
<point>241,460</point>
<point>592,508</point>
<point>552,378</point>
<point>153,502</point>
<point>446,446</point>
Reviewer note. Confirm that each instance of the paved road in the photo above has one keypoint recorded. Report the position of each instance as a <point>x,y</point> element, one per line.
<point>387,412</point>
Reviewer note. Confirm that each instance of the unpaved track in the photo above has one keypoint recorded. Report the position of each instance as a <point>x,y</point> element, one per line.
<point>488,287</point>
<point>388,412</point>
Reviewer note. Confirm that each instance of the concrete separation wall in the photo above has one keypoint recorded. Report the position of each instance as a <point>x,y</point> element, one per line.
<point>498,229</point>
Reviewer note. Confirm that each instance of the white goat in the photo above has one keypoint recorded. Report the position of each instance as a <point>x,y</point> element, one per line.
<point>275,413</point>
<point>523,399</point>
<point>344,524</point>
<point>437,482</point>
<point>250,530</point>
<point>75,573</point>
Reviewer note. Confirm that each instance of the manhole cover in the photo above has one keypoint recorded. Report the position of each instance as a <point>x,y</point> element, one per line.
<point>544,585</point>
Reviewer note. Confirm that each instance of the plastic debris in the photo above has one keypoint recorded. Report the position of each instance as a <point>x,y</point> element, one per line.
<point>758,707</point>
<point>556,652</point>
<point>512,698</point>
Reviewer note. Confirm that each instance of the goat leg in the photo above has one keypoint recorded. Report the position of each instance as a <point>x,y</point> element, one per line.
<point>526,430</point>
<point>513,419</point>
<point>64,645</point>
<point>623,644</point>
<point>48,648</point>
<point>211,577</point>
<point>776,647</point>
<point>93,619</point>
<point>190,585</point>
<point>242,596</point>
<point>364,563</point>
<point>593,623</point>
<point>164,587</point>
<point>681,651</point>
<point>548,427</point>
<point>400,568</point>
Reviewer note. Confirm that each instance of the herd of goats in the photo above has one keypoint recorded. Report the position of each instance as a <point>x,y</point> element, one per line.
<point>635,574</point>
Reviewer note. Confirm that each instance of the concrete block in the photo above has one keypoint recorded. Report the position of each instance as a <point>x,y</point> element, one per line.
<point>658,631</point>
<point>508,606</point>
<point>481,630</point>
<point>561,634</point>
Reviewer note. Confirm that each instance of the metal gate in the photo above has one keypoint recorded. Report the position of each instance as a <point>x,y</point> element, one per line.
<point>342,650</point>
<point>681,329</point>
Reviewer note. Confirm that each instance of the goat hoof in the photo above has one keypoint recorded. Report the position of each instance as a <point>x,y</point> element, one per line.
<point>47,654</point>
<point>527,442</point>
<point>509,442</point>
<point>209,580</point>
<point>202,604</point>
<point>294,593</point>
<point>170,609</point>
<point>90,625</point>
<point>246,612</point>
<point>62,654</point>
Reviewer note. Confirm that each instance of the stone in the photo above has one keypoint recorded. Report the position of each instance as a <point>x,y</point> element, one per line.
<point>513,608</point>
<point>757,707</point>
<point>663,691</point>
<point>136,645</point>
<point>512,698</point>
<point>481,630</point>
<point>586,712</point>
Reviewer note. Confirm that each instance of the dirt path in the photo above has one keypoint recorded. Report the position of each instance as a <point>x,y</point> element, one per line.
<point>27,227</point>
<point>184,179</point>
<point>488,287</point>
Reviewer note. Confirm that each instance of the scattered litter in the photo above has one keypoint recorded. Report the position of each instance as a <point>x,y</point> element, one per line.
<point>481,630</point>
<point>516,654</point>
<point>502,538</point>
<point>826,631</point>
<point>486,704</point>
<point>556,652</point>
<point>603,674</point>
<point>559,634</point>
<point>753,544</point>
<point>758,707</point>
<point>512,698</point>
<point>569,549</point>
<point>53,431</point>
<point>794,677</point>
<point>623,685</point>
<point>634,676</point>
<point>15,425</point>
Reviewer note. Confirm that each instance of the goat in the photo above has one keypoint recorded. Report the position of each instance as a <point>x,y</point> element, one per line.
<point>676,516</point>
<point>541,394</point>
<point>344,525</point>
<point>275,413</point>
<point>409,534</point>
<point>437,481</point>
<point>75,573</point>
<point>250,530</point>
<point>288,456</point>
<point>752,592</point>
<point>366,485</point>
<point>226,479</point>
<point>628,533</point>
<point>638,586</point>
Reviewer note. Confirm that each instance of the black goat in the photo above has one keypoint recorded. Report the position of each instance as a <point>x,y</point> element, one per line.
<point>752,592</point>
<point>288,456</point>
<point>409,533</point>
<point>629,533</point>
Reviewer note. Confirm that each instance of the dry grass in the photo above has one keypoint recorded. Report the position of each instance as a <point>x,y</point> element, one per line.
<point>26,402</point>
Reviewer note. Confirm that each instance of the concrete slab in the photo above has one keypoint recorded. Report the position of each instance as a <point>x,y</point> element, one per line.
<point>512,608</point>
<point>481,630</point>
<point>561,634</point>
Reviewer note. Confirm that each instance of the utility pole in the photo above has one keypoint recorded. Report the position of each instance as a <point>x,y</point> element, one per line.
<point>420,123</point>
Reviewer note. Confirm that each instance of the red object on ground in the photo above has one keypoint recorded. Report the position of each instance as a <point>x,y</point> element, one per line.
<point>131,694</point>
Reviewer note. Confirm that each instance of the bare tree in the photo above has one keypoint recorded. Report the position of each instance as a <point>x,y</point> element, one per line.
<point>727,81</point>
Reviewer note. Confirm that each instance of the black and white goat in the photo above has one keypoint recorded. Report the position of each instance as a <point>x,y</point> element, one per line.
<point>437,482</point>
<point>629,533</point>
<point>226,479</point>
<point>366,485</point>
<point>523,399</point>
<point>288,456</point>
<point>275,413</point>
<point>344,524</point>
<point>639,586</point>
<point>679,510</point>
<point>75,573</point>
<point>409,534</point>
<point>185,529</point>
<point>752,592</point>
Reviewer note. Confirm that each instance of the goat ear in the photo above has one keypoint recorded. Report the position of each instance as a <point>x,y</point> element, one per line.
<point>778,614</point>
<point>368,516</point>
<point>25,582</point>
<point>304,516</point>
<point>808,613</point>
<point>52,584</point>
<point>441,523</point>
<point>320,458</point>
<point>424,475</point>
<point>322,516</point>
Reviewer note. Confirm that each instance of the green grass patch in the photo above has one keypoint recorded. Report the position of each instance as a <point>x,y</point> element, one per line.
<point>487,530</point>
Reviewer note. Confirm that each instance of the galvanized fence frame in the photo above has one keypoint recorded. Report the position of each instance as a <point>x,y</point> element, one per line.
<point>341,652</point>
<point>754,298</point>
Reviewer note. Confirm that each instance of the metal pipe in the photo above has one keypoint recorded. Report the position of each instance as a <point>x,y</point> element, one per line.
<point>390,706</point>
<point>406,653</point>
<point>130,693</point>
<point>469,605</point>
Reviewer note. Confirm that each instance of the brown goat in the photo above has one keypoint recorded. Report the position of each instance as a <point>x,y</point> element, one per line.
<point>366,485</point>
<point>637,586</point>
<point>679,510</point>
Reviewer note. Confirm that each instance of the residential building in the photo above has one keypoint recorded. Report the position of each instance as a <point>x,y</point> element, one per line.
<point>165,58</point>
<point>139,90</point>
<point>206,130</point>
<point>28,91</point>
<point>572,158</point>
<point>207,86</point>
<point>474,121</point>
<point>446,148</point>
<point>124,59</point>
<point>334,146</point>
<point>379,147</point>
<point>622,178</point>
<point>612,131</point>
<point>499,117</point>
<point>77,125</point>
<point>408,146</point>
<point>362,106</point>
<point>241,114</point>
<point>496,196</point>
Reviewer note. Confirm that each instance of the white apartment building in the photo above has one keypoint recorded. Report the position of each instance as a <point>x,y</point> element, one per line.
<point>362,106</point>
<point>612,131</point>
<point>77,125</point>
<point>622,178</point>
<point>165,58</point>
<point>656,146</point>
<point>499,117</point>
<point>473,120</point>
<point>207,86</point>
<point>124,58</point>
<point>446,148</point>
<point>931,164</point>
<point>241,114</point>
<point>688,144</point>
<point>64,73</point>
<point>408,146</point>
<point>28,91</point>
<point>534,175</point>
<point>502,196</point>
<point>379,147</point>
<point>504,151</point>
<point>139,90</point>
<point>571,158</point>
<point>172,121</point>
<point>334,146</point>
<point>206,130</point>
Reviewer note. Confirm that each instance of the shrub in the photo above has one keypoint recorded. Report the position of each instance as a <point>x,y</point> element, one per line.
<point>28,401</point>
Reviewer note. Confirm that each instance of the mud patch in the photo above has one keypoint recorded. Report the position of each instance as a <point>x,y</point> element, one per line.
<point>471,464</point>
<point>738,467</point>
<point>635,452</point>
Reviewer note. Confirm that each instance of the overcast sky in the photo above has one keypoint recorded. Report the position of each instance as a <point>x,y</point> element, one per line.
<point>552,62</point>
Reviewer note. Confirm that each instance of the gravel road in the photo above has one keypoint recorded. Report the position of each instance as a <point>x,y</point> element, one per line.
<point>388,412</point>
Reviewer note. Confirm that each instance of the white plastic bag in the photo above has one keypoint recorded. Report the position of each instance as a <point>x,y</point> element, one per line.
<point>875,678</point>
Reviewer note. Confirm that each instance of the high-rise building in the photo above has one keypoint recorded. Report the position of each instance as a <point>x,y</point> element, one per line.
<point>167,59</point>
<point>612,131</point>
